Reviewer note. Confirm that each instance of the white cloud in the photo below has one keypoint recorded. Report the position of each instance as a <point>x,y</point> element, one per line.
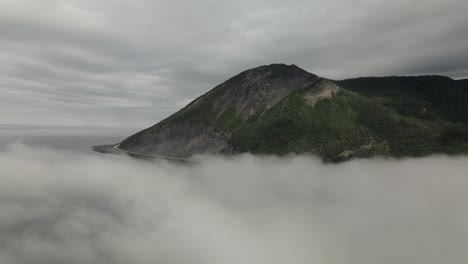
<point>59,207</point>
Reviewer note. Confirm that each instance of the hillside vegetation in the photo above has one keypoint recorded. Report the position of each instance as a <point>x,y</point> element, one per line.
<point>280,109</point>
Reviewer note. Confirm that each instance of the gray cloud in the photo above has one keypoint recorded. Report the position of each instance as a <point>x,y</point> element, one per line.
<point>120,63</point>
<point>59,207</point>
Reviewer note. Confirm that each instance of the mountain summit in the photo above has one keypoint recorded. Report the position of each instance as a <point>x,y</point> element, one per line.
<point>280,109</point>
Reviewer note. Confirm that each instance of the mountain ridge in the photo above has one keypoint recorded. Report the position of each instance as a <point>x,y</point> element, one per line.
<point>280,109</point>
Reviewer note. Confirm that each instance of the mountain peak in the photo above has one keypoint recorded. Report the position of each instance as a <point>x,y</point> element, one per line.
<point>277,66</point>
<point>275,71</point>
<point>262,86</point>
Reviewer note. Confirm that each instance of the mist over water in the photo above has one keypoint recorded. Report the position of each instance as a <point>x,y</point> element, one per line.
<point>72,139</point>
<point>64,207</point>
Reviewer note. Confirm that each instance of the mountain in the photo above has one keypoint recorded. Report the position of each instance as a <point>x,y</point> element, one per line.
<point>280,109</point>
<point>463,82</point>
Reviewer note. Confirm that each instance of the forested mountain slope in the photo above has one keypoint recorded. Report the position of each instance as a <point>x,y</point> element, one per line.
<point>280,109</point>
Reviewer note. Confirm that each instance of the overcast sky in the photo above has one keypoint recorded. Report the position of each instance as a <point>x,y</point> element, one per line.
<point>131,63</point>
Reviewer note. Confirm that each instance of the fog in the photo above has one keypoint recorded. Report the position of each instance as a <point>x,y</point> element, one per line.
<point>62,207</point>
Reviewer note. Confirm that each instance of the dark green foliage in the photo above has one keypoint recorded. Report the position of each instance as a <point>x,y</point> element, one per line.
<point>425,97</point>
<point>463,82</point>
<point>348,122</point>
<point>390,116</point>
<point>294,126</point>
<point>228,121</point>
<point>455,140</point>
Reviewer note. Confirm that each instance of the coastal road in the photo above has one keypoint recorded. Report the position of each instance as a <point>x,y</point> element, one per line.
<point>148,156</point>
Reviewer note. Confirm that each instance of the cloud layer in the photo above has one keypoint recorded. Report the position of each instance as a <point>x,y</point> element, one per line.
<point>121,63</point>
<point>59,207</point>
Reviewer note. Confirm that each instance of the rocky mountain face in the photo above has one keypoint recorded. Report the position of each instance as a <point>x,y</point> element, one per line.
<point>195,129</point>
<point>280,109</point>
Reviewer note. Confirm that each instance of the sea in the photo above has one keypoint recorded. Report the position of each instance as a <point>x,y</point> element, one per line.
<point>67,138</point>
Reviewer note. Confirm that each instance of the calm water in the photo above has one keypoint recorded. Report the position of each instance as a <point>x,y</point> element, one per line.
<point>75,139</point>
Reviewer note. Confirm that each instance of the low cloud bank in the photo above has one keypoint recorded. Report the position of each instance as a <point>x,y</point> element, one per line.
<point>59,207</point>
